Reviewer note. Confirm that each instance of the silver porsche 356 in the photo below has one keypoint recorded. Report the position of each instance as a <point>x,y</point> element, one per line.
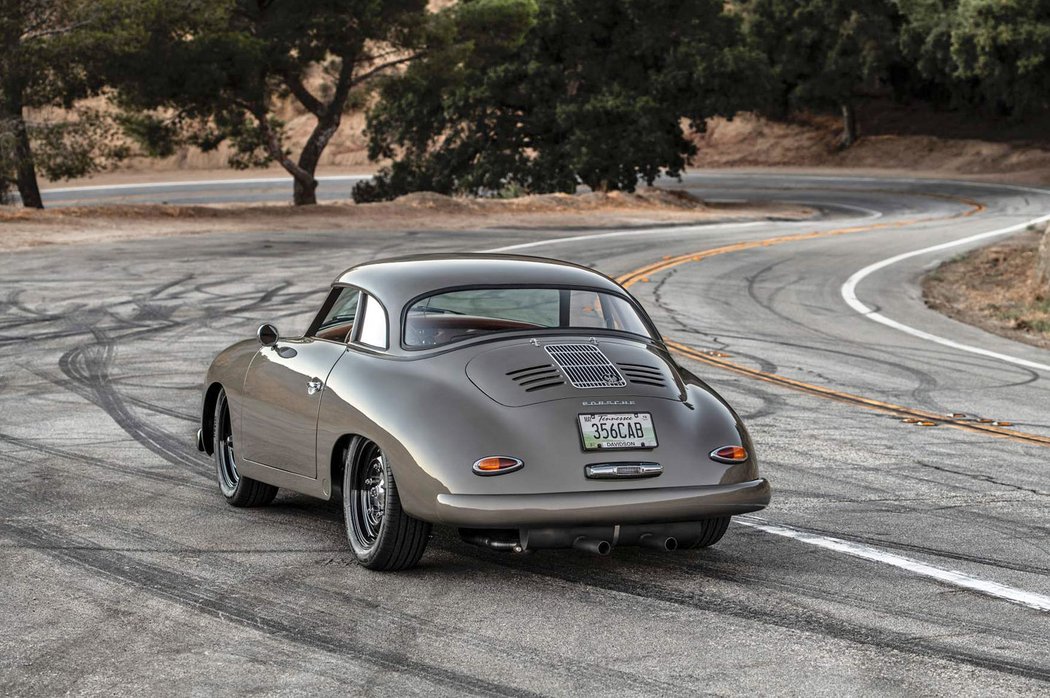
<point>530,403</point>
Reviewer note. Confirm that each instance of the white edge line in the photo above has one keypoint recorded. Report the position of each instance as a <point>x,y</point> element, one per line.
<point>849,294</point>
<point>867,552</point>
<point>183,184</point>
<point>871,215</point>
<point>622,233</point>
<point>976,184</point>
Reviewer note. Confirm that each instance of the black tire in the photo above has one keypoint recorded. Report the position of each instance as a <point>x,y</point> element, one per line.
<point>711,531</point>
<point>381,535</point>
<point>238,490</point>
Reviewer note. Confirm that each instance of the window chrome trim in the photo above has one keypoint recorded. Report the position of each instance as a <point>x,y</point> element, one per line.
<point>369,327</point>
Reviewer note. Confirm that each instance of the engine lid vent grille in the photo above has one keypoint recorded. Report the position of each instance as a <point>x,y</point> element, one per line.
<point>644,375</point>
<point>534,378</point>
<point>586,366</point>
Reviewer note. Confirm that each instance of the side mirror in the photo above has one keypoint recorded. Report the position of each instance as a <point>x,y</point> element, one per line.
<point>267,335</point>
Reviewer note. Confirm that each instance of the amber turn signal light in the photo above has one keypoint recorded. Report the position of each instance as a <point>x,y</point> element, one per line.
<point>729,454</point>
<point>497,465</point>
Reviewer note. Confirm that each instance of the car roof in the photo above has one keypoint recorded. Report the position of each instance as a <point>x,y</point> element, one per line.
<point>398,280</point>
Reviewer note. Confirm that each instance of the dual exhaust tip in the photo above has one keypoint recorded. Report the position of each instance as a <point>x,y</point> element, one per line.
<point>597,540</point>
<point>604,547</point>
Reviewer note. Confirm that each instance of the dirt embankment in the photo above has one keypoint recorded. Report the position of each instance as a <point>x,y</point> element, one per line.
<point>1003,288</point>
<point>21,228</point>
<point>895,138</point>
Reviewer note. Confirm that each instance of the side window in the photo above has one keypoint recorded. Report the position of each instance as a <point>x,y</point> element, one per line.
<point>373,323</point>
<point>338,321</point>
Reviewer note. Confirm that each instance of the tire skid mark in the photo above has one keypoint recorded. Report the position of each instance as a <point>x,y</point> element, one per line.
<point>156,476</point>
<point>840,396</point>
<point>983,478</point>
<point>791,619</point>
<point>200,596</point>
<point>161,409</point>
<point>723,570</point>
<point>949,578</point>
<point>291,621</point>
<point>88,368</point>
<point>926,383</point>
<point>934,552</point>
<point>717,340</point>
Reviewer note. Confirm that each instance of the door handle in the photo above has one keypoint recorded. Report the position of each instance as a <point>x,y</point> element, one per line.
<point>314,385</point>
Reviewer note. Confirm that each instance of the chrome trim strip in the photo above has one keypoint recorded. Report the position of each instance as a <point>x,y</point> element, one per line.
<point>622,471</point>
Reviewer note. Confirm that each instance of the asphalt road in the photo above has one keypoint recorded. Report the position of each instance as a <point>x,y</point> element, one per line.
<point>895,558</point>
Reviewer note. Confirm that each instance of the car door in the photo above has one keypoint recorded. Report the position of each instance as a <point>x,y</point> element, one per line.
<point>283,389</point>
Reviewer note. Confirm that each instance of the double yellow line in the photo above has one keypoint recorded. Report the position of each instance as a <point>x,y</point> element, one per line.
<point>720,360</point>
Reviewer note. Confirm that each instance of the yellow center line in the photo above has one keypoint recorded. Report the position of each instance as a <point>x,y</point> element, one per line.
<point>640,274</point>
<point>719,360</point>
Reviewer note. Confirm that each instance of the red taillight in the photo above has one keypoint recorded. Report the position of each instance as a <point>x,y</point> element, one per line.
<point>497,465</point>
<point>729,454</point>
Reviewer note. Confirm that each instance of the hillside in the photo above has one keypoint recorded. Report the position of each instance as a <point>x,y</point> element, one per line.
<point>893,137</point>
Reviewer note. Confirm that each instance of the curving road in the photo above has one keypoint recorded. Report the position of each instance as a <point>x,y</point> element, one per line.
<point>895,557</point>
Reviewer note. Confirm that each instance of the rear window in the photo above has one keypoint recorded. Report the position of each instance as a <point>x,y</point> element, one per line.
<point>455,316</point>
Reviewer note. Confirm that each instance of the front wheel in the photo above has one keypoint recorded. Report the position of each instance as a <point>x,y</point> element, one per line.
<point>238,490</point>
<point>382,536</point>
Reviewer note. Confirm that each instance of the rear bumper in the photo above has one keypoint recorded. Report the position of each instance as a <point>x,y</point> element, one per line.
<point>653,505</point>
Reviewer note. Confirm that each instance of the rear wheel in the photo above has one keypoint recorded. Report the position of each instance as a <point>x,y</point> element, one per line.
<point>238,490</point>
<point>711,531</point>
<point>382,536</point>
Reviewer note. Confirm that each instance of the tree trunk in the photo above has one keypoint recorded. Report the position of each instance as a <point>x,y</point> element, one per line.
<point>304,192</point>
<point>28,188</point>
<point>849,125</point>
<point>327,125</point>
<point>1042,265</point>
<point>22,152</point>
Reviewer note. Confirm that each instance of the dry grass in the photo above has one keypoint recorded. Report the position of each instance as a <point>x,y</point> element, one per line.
<point>995,288</point>
<point>813,141</point>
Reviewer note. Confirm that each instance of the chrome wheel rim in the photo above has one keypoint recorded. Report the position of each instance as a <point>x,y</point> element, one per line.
<point>369,496</point>
<point>228,476</point>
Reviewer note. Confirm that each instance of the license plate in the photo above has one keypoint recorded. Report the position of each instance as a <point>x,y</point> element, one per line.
<point>602,432</point>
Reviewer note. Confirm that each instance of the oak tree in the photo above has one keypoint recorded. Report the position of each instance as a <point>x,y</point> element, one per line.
<point>46,48</point>
<point>206,72</point>
<point>541,95</point>
<point>823,52</point>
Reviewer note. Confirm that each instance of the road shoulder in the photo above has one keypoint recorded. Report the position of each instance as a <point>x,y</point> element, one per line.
<point>995,288</point>
<point>22,229</point>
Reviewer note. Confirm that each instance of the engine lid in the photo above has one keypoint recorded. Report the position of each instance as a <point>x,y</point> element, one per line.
<point>532,371</point>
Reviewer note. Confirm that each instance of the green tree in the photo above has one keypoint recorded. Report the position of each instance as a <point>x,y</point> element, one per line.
<point>823,52</point>
<point>926,45</point>
<point>205,72</point>
<point>1005,46</point>
<point>990,53</point>
<point>45,46</point>
<point>541,95</point>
